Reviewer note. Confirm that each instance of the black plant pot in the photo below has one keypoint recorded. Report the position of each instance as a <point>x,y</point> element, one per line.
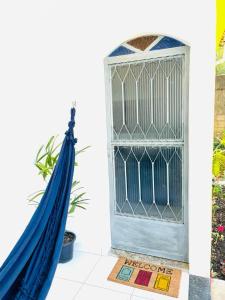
<point>67,248</point>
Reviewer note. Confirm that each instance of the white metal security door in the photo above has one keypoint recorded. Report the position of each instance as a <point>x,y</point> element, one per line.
<point>147,131</point>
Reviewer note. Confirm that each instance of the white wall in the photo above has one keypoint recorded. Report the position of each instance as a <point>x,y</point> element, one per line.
<point>52,52</point>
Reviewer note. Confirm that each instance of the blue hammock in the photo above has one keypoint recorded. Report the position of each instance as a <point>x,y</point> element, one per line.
<point>28,271</point>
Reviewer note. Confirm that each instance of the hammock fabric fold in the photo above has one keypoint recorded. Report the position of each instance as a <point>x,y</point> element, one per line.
<point>28,271</point>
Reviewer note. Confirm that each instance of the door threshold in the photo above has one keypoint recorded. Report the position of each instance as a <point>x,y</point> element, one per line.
<point>150,259</point>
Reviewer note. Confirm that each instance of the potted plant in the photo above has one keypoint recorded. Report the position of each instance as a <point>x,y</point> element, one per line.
<point>45,162</point>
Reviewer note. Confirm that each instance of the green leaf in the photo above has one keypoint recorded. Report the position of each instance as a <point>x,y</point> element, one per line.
<point>39,166</point>
<point>49,142</point>
<point>82,150</point>
<point>38,194</point>
<point>79,201</point>
<point>34,203</point>
<point>75,182</point>
<point>77,189</point>
<point>72,207</point>
<point>39,151</point>
<point>56,148</point>
<point>40,158</point>
<point>32,194</point>
<point>80,206</point>
<point>55,159</point>
<point>222,141</point>
<point>80,195</point>
<point>52,144</point>
<point>49,161</point>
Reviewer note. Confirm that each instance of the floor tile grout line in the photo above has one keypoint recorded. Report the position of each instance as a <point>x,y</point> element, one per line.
<point>131,295</point>
<point>109,289</point>
<point>106,288</point>
<point>101,287</point>
<point>92,270</point>
<point>142,297</point>
<point>71,280</point>
<point>88,252</point>
<point>77,292</point>
<point>133,292</point>
<point>84,282</point>
<point>97,254</point>
<point>97,286</point>
<point>146,298</point>
<point>94,285</point>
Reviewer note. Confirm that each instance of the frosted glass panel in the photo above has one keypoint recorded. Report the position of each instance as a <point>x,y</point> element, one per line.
<point>149,181</point>
<point>147,100</point>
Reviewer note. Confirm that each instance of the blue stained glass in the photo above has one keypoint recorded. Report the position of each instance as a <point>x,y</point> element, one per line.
<point>121,50</point>
<point>167,42</point>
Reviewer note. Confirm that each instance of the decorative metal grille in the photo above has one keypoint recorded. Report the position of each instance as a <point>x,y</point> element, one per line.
<point>149,181</point>
<point>147,99</point>
<point>147,109</point>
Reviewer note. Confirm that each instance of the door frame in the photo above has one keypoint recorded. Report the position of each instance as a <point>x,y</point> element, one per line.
<point>108,61</point>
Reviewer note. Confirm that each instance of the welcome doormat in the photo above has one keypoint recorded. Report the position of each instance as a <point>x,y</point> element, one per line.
<point>147,276</point>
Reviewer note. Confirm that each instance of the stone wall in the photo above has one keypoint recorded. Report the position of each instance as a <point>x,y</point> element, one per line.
<point>219,119</point>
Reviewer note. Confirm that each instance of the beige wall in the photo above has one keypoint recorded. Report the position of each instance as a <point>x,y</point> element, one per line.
<point>219,123</point>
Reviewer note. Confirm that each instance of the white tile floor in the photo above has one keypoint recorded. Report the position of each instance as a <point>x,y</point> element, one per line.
<point>85,278</point>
